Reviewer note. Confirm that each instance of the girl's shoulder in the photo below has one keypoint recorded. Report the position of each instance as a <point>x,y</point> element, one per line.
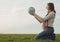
<point>52,13</point>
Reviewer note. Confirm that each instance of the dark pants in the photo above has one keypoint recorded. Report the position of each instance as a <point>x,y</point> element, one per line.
<point>48,33</point>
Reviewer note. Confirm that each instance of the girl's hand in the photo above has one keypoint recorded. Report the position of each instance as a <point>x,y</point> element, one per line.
<point>32,13</point>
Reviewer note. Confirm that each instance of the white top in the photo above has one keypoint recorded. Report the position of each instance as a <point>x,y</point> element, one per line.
<point>50,17</point>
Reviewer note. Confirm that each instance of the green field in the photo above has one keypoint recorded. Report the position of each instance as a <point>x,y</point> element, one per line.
<point>24,38</point>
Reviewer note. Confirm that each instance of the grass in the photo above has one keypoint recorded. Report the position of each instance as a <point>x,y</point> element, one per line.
<point>24,38</point>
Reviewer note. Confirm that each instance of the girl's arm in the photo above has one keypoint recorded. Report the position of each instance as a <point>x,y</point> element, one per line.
<point>40,19</point>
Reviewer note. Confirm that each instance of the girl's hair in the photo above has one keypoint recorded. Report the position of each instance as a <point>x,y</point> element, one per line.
<point>51,6</point>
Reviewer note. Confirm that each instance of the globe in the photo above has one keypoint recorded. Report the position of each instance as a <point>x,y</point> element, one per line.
<point>31,10</point>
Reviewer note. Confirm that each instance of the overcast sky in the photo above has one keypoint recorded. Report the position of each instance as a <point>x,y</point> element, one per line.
<point>14,17</point>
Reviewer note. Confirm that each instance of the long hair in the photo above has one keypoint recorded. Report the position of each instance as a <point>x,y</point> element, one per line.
<point>51,6</point>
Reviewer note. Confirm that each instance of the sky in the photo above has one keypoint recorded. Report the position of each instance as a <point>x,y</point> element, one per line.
<point>15,19</point>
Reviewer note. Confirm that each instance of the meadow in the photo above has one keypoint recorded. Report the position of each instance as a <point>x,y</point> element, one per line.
<point>24,38</point>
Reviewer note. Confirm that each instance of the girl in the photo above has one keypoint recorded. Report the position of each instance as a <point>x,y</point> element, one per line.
<point>48,20</point>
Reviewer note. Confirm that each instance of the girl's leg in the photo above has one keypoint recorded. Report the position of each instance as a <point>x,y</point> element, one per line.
<point>52,37</point>
<point>44,34</point>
